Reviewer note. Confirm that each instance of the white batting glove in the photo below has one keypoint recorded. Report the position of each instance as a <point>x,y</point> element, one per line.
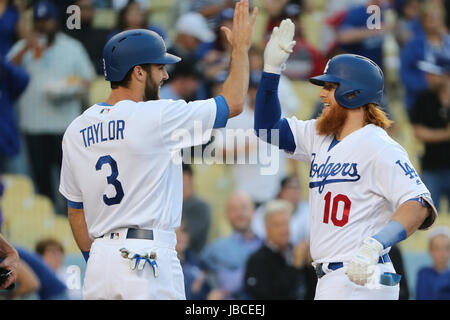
<point>279,47</point>
<point>362,266</point>
<point>136,260</point>
<point>139,260</point>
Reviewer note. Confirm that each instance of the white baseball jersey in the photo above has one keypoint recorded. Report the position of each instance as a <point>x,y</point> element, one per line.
<point>122,162</point>
<point>355,186</point>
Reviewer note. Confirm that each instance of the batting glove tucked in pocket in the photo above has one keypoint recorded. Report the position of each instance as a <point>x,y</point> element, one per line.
<point>362,266</point>
<point>139,260</point>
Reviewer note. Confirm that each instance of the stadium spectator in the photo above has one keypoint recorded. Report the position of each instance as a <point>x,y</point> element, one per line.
<point>276,270</point>
<point>430,118</point>
<point>13,81</point>
<point>195,284</point>
<point>120,4</point>
<point>305,61</point>
<point>225,258</point>
<point>134,16</point>
<point>9,260</point>
<point>22,281</point>
<point>211,9</point>
<point>434,41</point>
<point>191,30</point>
<point>299,222</point>
<point>26,285</point>
<point>92,38</point>
<point>442,290</point>
<point>103,3</point>
<point>257,167</point>
<point>335,13</point>
<point>12,24</point>
<point>408,22</point>
<point>52,252</point>
<point>276,11</point>
<point>355,37</point>
<point>192,42</point>
<point>51,288</point>
<point>217,57</point>
<point>430,279</point>
<point>60,73</point>
<point>180,7</point>
<point>196,213</point>
<point>183,83</point>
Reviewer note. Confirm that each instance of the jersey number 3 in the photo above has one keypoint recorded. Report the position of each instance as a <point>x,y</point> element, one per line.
<point>335,204</point>
<point>112,179</point>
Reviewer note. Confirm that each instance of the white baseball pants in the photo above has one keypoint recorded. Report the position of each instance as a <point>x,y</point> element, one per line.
<point>109,276</point>
<point>337,286</point>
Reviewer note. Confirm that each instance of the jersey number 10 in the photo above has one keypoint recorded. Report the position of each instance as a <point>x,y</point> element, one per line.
<point>335,203</point>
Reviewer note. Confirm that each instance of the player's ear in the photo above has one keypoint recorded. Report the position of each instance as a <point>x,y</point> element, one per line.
<point>139,73</point>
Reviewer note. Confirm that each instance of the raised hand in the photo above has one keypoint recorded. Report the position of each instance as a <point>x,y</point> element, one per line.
<point>240,37</point>
<point>279,47</point>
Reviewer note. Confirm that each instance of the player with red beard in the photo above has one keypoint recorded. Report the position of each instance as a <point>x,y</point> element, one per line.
<point>364,194</point>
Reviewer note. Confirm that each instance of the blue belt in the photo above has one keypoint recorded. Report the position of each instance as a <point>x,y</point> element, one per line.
<point>337,265</point>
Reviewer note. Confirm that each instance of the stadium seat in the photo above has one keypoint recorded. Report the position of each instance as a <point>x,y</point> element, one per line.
<point>29,218</point>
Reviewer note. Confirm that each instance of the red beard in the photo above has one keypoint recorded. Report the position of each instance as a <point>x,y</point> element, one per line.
<point>332,121</point>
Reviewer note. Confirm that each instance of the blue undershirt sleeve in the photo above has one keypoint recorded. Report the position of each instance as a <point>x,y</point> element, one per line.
<point>268,114</point>
<point>74,205</point>
<point>222,113</point>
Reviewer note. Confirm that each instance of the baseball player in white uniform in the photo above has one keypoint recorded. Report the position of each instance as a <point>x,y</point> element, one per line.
<point>121,170</point>
<point>364,193</point>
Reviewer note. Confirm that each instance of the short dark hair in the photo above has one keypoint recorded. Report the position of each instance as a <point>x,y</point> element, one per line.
<point>121,23</point>
<point>284,182</point>
<point>125,82</point>
<point>42,245</point>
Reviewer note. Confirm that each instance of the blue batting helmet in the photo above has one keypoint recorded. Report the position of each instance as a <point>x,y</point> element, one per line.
<point>360,80</point>
<point>130,48</point>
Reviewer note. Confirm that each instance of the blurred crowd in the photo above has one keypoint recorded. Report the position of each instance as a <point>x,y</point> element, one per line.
<point>48,65</point>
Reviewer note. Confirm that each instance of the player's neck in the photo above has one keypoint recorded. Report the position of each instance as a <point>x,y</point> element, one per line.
<point>354,121</point>
<point>121,93</point>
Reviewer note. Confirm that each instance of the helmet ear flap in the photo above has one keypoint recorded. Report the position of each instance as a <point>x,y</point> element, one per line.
<point>349,97</point>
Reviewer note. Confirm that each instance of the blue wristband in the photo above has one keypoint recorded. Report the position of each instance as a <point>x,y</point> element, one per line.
<point>391,234</point>
<point>85,255</point>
